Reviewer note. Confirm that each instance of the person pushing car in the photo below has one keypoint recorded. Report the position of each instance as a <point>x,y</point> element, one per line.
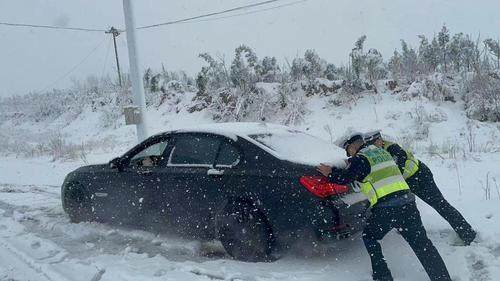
<point>421,182</point>
<point>392,206</point>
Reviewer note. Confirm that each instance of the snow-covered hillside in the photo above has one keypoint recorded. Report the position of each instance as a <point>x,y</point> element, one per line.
<point>37,241</point>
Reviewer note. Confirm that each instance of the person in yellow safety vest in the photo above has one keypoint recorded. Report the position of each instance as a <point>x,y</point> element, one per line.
<point>392,206</point>
<point>421,181</point>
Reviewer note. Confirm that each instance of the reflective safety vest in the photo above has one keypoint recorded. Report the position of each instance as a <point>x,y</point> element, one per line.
<point>411,163</point>
<point>384,178</point>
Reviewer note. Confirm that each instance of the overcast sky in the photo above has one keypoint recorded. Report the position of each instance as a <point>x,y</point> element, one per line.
<point>32,59</point>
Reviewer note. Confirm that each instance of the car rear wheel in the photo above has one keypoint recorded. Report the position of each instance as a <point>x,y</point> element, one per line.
<point>244,232</point>
<point>78,204</point>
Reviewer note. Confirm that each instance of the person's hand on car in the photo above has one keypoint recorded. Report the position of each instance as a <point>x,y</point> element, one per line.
<point>325,170</point>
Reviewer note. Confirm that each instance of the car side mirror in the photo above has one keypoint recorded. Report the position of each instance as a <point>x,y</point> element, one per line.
<point>116,163</point>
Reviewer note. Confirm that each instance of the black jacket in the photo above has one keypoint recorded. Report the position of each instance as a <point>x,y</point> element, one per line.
<point>399,155</point>
<point>357,169</point>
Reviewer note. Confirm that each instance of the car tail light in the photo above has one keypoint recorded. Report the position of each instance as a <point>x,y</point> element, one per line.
<point>321,187</point>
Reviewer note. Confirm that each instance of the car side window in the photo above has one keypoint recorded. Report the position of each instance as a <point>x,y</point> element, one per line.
<point>194,150</point>
<point>151,155</point>
<point>228,155</point>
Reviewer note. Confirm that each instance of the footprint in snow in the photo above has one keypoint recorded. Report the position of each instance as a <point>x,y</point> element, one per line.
<point>478,268</point>
<point>35,245</point>
<point>496,251</point>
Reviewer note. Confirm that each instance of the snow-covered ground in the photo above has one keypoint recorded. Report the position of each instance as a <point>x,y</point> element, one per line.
<point>37,241</point>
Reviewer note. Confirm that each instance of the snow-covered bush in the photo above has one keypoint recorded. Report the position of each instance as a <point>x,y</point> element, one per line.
<point>244,69</point>
<point>231,105</point>
<point>12,145</point>
<point>346,95</point>
<point>308,69</point>
<point>435,87</point>
<point>110,115</point>
<point>482,97</point>
<point>268,70</point>
<point>291,102</point>
<point>439,87</point>
<point>375,68</point>
<point>421,123</point>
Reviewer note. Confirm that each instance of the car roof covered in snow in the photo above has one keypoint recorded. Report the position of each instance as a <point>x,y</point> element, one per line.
<point>280,141</point>
<point>241,129</point>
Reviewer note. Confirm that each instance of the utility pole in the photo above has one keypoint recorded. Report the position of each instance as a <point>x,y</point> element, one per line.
<point>115,32</point>
<point>135,76</point>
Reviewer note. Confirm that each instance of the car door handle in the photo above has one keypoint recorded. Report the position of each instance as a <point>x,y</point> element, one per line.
<point>215,172</point>
<point>145,172</point>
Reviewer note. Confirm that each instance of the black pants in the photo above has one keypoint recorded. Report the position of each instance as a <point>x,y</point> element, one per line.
<point>406,219</point>
<point>422,184</point>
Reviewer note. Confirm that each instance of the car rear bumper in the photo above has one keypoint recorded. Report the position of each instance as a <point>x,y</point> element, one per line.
<point>351,213</point>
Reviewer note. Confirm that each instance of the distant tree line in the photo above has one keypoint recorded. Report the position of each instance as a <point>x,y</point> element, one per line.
<point>445,67</point>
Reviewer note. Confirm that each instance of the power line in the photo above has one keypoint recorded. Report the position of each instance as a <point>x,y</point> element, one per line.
<point>74,67</point>
<point>210,14</point>
<point>248,13</point>
<point>51,27</point>
<point>185,20</point>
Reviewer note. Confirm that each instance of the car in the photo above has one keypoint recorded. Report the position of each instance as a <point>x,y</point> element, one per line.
<point>253,186</point>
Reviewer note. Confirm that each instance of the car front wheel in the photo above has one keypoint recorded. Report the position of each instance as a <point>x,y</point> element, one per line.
<point>244,232</point>
<point>77,203</point>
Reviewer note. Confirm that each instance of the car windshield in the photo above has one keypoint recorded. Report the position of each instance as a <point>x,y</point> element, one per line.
<point>299,147</point>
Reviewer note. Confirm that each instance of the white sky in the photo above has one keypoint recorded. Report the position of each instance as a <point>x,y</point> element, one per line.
<point>31,59</point>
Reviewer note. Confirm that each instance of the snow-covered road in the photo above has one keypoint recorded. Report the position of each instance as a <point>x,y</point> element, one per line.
<point>37,241</point>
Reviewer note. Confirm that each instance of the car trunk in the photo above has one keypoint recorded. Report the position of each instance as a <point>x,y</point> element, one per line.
<point>298,155</point>
<point>349,208</point>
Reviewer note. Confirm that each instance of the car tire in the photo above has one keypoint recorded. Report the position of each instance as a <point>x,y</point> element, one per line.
<point>77,203</point>
<point>245,233</point>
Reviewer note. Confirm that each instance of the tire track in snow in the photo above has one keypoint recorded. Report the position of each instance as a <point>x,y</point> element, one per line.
<point>27,253</point>
<point>50,222</point>
<point>25,263</point>
<point>30,188</point>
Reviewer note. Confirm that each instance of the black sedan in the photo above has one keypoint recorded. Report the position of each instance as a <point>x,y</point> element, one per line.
<point>252,185</point>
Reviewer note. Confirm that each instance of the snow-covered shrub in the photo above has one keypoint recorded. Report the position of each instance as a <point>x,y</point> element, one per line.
<point>436,87</point>
<point>421,115</point>
<point>212,82</point>
<point>230,105</point>
<point>421,123</point>
<point>482,97</point>
<point>291,101</point>
<point>15,145</point>
<point>244,69</point>
<point>59,149</point>
<point>422,131</point>
<point>452,149</point>
<point>237,105</point>
<point>439,87</point>
<point>308,69</point>
<point>268,70</point>
<point>435,116</point>
<point>110,115</point>
<point>347,95</point>
<point>375,68</point>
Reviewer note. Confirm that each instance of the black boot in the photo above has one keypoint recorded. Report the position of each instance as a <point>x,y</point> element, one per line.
<point>382,277</point>
<point>468,237</point>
